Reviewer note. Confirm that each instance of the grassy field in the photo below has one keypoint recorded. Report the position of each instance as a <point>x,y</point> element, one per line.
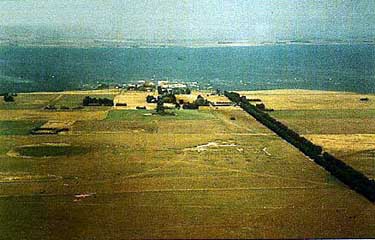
<point>326,114</point>
<point>312,100</point>
<point>356,149</point>
<point>199,174</point>
<point>329,121</point>
<point>134,99</point>
<point>48,150</point>
<point>339,122</point>
<point>145,115</point>
<point>28,101</point>
<point>18,127</point>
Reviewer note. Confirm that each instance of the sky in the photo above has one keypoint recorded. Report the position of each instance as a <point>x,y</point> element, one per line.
<point>192,19</point>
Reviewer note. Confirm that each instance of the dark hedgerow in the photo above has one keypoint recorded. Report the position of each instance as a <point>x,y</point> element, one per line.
<point>88,101</point>
<point>345,173</point>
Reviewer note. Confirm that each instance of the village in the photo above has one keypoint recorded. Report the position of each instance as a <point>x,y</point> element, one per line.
<point>173,153</point>
<point>163,98</point>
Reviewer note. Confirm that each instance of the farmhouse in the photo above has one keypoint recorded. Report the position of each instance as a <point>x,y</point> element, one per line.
<point>165,87</point>
<point>222,104</point>
<point>142,85</point>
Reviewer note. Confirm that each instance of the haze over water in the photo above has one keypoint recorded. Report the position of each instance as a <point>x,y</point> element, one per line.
<point>326,67</point>
<point>344,67</point>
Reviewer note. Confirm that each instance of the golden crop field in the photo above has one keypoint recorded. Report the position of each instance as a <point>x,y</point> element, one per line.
<point>121,173</point>
<point>340,122</point>
<point>311,99</point>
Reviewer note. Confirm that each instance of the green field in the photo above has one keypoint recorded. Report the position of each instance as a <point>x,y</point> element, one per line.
<point>214,173</point>
<point>331,121</point>
<point>50,151</point>
<point>28,101</point>
<point>145,115</point>
<point>20,127</point>
<point>325,114</point>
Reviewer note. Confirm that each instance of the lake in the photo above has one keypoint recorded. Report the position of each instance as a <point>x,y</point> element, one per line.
<point>323,67</point>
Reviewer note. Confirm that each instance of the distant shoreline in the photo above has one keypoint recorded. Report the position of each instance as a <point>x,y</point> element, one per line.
<point>338,67</point>
<point>280,91</point>
<point>161,45</point>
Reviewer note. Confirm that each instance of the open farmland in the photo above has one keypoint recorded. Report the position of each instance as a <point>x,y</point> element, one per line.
<point>199,174</point>
<point>29,101</point>
<point>340,122</point>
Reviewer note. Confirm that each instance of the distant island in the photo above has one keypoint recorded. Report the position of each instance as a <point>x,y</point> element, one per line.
<point>143,43</point>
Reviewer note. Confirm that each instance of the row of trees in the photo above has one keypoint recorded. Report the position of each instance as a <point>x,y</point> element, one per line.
<point>306,146</point>
<point>200,101</point>
<point>89,101</point>
<point>8,97</point>
<point>348,175</point>
<point>354,179</point>
<point>151,99</point>
<point>171,98</point>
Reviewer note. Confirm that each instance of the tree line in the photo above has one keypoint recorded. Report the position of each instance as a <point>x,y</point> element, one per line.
<point>89,101</point>
<point>171,98</point>
<point>345,173</point>
<point>8,97</point>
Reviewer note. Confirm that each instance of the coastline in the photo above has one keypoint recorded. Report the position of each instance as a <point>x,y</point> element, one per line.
<point>150,45</point>
<point>284,91</point>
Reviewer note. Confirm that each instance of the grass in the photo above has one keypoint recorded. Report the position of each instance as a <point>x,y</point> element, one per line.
<point>27,101</point>
<point>18,127</point>
<point>42,115</point>
<point>114,126</point>
<point>132,115</point>
<point>311,100</point>
<point>154,184</point>
<point>50,151</point>
<point>325,114</point>
<point>333,121</point>
<point>338,122</point>
<point>355,149</point>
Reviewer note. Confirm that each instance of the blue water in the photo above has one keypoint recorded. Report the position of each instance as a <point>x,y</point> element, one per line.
<point>326,67</point>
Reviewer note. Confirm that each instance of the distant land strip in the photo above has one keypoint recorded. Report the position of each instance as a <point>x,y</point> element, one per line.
<point>354,179</point>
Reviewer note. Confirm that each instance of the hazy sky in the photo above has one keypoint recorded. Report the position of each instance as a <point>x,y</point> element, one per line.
<point>195,19</point>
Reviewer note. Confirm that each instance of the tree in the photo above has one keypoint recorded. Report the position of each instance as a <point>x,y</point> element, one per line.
<point>169,98</point>
<point>86,101</point>
<point>200,101</point>
<point>97,101</point>
<point>178,106</point>
<point>8,98</point>
<point>190,106</point>
<point>160,90</point>
<point>151,99</point>
<point>160,106</point>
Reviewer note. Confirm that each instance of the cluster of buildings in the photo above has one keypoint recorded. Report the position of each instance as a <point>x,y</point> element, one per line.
<point>166,87</point>
<point>163,87</point>
<point>142,85</point>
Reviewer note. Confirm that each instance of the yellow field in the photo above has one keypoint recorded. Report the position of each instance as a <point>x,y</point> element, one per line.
<point>356,149</point>
<point>134,99</point>
<point>339,122</point>
<point>198,174</point>
<point>51,115</point>
<point>311,99</point>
